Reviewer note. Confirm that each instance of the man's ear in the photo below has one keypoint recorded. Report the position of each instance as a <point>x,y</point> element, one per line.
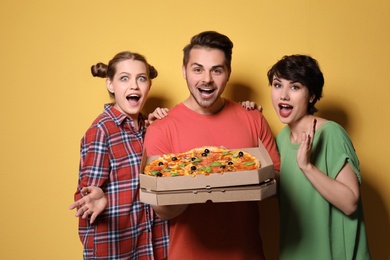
<point>109,86</point>
<point>312,98</point>
<point>183,69</point>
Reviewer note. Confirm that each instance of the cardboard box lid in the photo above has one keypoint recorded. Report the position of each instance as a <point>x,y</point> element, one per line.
<point>265,172</point>
<point>223,194</point>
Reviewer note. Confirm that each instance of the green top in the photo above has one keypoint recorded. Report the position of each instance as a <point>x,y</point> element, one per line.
<point>311,228</point>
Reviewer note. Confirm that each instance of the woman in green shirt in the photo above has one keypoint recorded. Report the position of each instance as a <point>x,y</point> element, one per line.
<point>320,204</point>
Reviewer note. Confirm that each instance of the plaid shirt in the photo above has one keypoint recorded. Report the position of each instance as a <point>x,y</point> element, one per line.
<point>111,153</point>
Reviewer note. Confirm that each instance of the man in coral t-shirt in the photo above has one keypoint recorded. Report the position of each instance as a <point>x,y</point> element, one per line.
<point>210,230</point>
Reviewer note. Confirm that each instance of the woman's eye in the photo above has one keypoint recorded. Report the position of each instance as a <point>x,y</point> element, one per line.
<point>124,78</point>
<point>142,78</point>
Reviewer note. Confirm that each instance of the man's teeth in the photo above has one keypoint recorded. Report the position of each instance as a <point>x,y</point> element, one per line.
<point>206,90</point>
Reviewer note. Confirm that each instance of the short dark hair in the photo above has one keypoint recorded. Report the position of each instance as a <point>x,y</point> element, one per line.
<point>212,40</point>
<point>303,69</point>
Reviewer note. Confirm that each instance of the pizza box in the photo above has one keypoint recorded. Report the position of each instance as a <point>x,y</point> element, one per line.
<point>256,192</point>
<point>227,179</point>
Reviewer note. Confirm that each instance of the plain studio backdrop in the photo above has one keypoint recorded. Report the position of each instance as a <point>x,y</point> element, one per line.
<point>50,98</point>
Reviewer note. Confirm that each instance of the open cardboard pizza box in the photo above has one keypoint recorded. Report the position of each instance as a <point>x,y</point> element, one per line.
<point>229,186</point>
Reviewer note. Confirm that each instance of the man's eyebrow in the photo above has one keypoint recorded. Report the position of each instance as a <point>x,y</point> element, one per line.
<point>213,67</point>
<point>218,66</point>
<point>196,64</point>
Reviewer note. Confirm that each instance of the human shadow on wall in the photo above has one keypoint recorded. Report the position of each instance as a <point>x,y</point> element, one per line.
<point>376,217</point>
<point>240,92</point>
<point>334,113</point>
<point>152,103</point>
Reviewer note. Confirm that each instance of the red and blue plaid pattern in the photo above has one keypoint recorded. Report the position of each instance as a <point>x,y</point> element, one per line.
<point>111,152</point>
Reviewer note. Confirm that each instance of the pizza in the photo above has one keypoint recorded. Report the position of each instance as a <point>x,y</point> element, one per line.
<point>203,160</point>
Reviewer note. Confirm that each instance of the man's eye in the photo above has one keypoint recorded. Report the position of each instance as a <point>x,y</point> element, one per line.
<point>197,70</point>
<point>217,72</point>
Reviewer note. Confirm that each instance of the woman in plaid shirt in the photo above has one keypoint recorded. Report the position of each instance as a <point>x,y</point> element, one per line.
<point>111,152</point>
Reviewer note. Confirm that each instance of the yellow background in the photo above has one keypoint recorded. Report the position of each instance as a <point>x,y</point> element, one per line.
<point>49,97</point>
